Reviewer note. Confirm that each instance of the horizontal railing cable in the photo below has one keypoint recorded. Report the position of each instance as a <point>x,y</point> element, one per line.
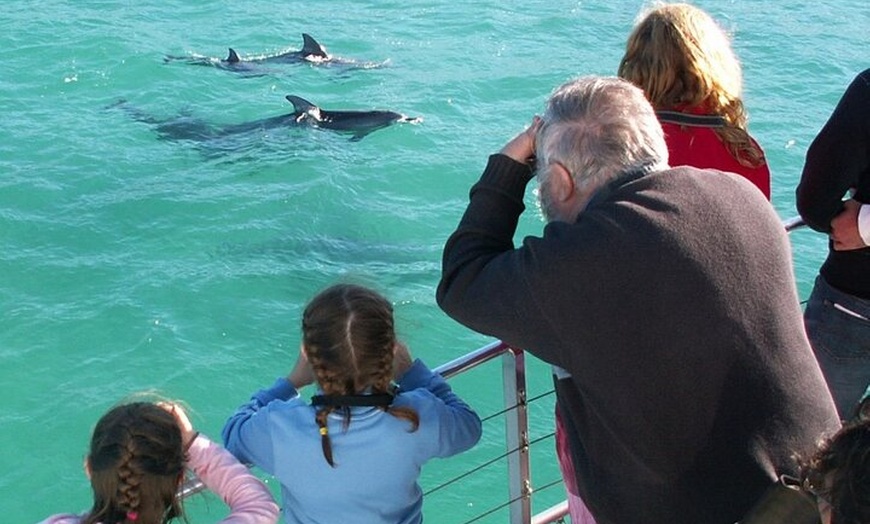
<point>515,406</point>
<point>509,502</point>
<point>503,455</point>
<point>488,463</point>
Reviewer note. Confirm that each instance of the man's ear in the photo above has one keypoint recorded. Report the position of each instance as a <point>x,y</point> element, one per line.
<point>562,182</point>
<point>86,465</point>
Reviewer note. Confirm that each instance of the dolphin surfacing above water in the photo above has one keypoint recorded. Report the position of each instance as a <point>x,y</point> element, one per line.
<point>312,52</point>
<point>359,123</point>
<point>185,127</point>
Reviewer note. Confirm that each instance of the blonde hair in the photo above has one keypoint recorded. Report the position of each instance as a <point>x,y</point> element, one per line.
<point>680,56</point>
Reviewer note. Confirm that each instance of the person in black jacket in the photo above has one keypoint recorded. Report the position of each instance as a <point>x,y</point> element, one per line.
<point>837,315</point>
<point>668,298</point>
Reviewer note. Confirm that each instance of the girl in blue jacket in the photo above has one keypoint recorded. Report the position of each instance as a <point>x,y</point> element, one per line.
<point>354,453</point>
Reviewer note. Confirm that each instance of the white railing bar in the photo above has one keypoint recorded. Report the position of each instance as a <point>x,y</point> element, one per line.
<point>517,436</point>
<point>552,514</point>
<point>473,359</point>
<point>790,224</point>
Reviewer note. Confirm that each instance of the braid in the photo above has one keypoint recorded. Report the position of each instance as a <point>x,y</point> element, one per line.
<point>382,377</point>
<point>129,477</point>
<point>136,462</point>
<point>348,335</point>
<point>325,443</point>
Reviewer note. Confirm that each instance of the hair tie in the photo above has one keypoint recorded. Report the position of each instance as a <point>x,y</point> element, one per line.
<point>190,442</point>
<point>324,431</point>
<point>379,400</point>
<point>132,516</point>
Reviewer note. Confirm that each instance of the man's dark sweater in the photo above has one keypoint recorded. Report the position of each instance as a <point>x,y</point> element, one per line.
<point>672,303</point>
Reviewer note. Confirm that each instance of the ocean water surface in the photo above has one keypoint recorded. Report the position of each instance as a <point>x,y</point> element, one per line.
<point>131,262</point>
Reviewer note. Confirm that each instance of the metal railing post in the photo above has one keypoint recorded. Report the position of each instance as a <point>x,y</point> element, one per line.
<point>517,436</point>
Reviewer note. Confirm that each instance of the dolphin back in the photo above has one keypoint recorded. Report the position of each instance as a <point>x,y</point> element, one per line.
<point>359,123</point>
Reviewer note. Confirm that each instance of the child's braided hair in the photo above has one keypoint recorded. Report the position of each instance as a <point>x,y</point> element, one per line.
<point>136,464</point>
<point>349,339</point>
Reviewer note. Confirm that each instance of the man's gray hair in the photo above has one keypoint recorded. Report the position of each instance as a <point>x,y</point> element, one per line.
<point>599,128</point>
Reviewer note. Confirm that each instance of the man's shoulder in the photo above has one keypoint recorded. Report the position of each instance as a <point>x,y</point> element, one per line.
<point>675,194</point>
<point>694,183</point>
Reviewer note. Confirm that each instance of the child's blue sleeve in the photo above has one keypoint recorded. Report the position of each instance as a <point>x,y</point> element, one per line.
<point>459,427</point>
<point>247,433</point>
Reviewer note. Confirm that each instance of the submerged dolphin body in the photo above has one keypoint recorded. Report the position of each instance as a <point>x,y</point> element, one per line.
<point>185,127</point>
<point>312,52</point>
<point>359,123</point>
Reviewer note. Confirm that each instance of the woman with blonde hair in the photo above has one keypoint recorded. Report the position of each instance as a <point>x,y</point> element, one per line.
<point>683,61</point>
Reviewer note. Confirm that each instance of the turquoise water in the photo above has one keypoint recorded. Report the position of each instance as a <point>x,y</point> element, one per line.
<point>130,263</point>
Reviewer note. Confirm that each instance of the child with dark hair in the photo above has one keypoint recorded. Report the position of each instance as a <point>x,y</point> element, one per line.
<point>136,463</point>
<point>839,475</point>
<point>355,453</point>
<point>834,487</point>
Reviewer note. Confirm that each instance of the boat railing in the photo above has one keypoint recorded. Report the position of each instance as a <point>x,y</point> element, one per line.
<point>790,224</point>
<point>517,441</point>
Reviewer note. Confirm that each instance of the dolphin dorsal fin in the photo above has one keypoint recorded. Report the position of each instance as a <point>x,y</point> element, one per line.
<point>310,47</point>
<point>233,57</point>
<point>303,108</point>
<point>300,104</point>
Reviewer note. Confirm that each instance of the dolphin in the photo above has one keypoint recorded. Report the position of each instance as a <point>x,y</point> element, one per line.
<point>185,127</point>
<point>312,52</point>
<point>359,123</point>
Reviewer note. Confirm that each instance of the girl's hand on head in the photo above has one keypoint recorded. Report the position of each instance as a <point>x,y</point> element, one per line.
<point>401,360</point>
<point>187,431</point>
<point>302,374</point>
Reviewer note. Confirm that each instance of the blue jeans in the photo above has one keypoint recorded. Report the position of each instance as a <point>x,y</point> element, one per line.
<point>838,326</point>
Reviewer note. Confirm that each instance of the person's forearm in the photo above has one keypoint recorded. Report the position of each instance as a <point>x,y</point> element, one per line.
<point>249,500</point>
<point>836,159</point>
<point>864,223</point>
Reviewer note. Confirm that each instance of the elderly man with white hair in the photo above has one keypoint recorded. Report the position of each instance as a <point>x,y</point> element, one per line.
<point>666,295</point>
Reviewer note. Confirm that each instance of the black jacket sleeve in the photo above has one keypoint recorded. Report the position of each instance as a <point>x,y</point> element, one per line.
<point>838,159</point>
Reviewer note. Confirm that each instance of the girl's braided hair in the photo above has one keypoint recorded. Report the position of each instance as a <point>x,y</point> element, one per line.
<point>136,464</point>
<point>349,339</point>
